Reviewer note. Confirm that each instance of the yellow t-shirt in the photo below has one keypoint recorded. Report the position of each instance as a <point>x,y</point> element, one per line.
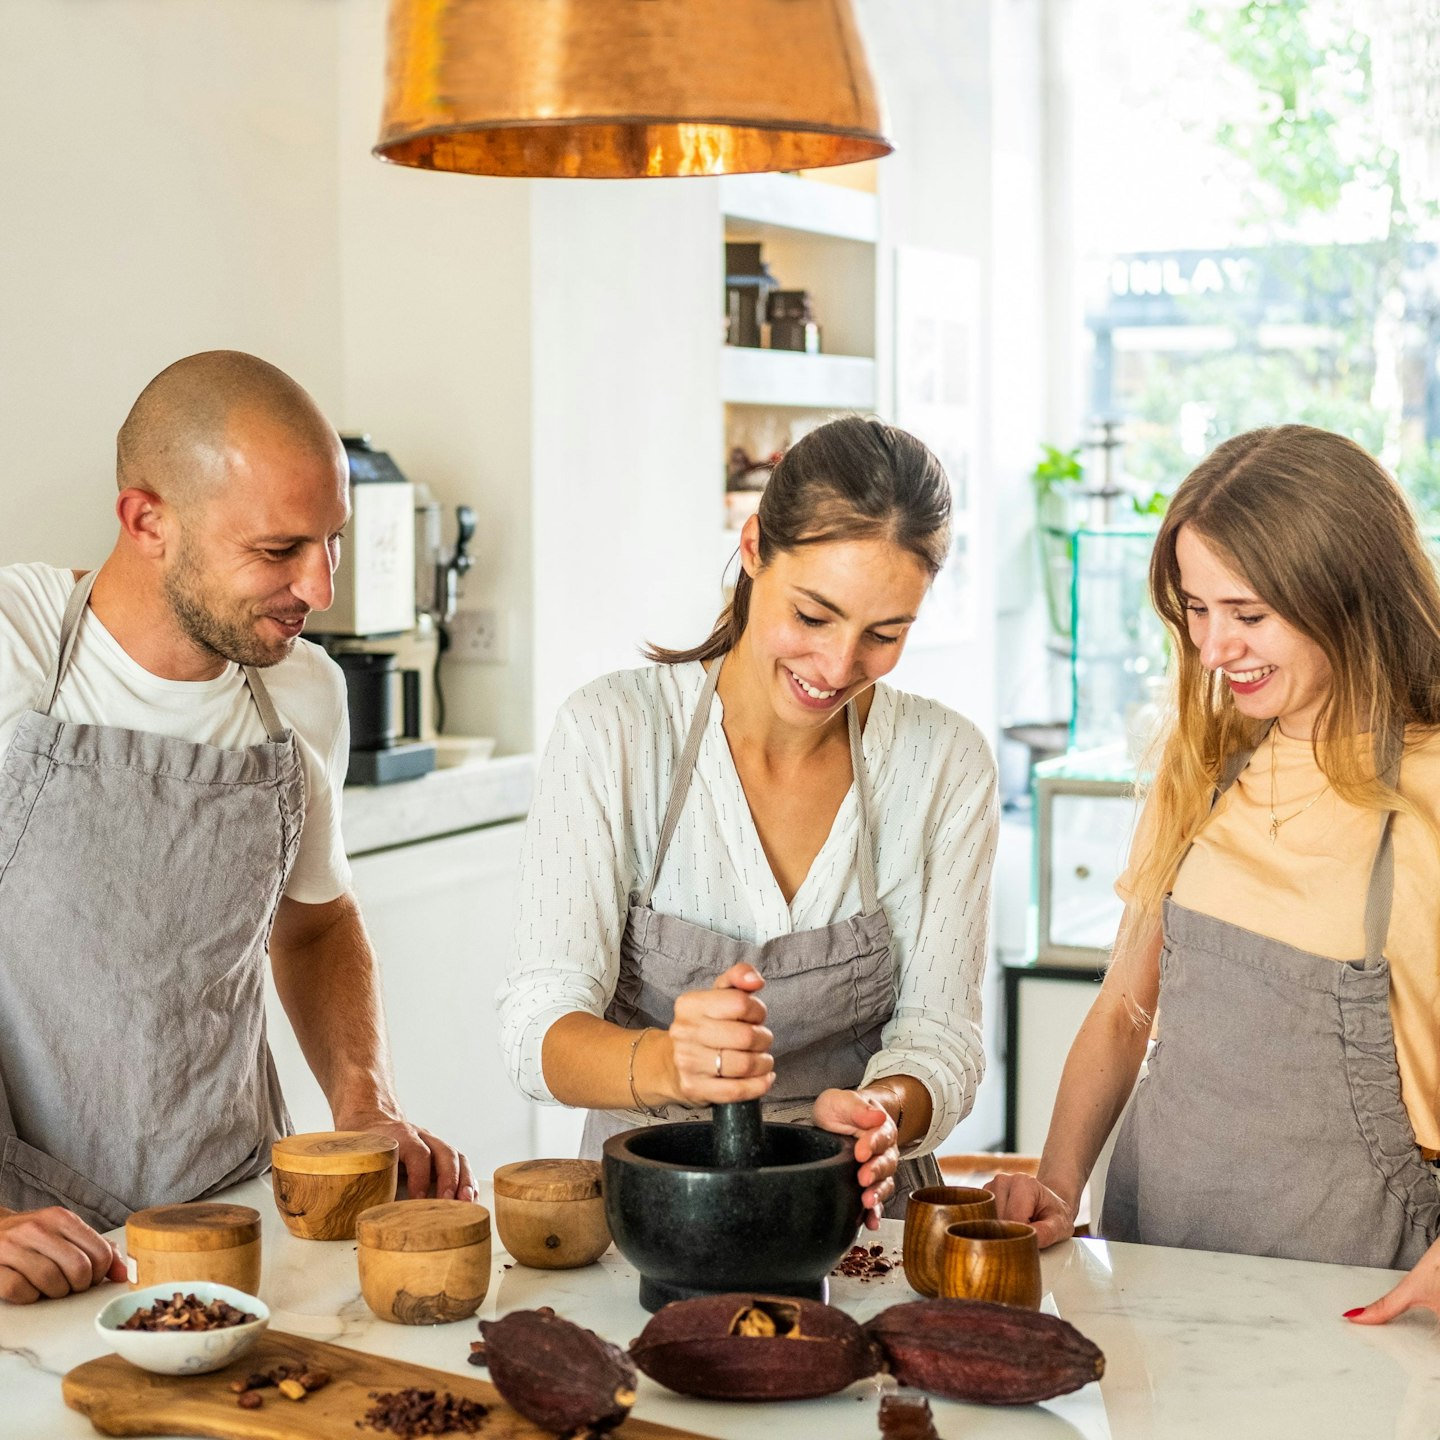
<point>1307,889</point>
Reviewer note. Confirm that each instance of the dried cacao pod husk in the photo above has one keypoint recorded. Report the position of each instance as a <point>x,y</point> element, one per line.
<point>562,1377</point>
<point>993,1354</point>
<point>753,1347</point>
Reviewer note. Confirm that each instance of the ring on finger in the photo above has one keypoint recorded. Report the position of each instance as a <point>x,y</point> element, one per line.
<point>719,1063</point>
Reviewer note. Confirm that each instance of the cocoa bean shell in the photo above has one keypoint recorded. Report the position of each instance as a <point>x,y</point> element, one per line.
<point>992,1354</point>
<point>562,1377</point>
<point>690,1346</point>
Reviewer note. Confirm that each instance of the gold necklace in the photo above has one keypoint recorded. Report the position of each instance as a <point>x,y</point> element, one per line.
<point>1275,821</point>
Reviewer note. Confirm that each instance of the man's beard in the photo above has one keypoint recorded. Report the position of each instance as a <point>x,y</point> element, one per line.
<point>228,633</point>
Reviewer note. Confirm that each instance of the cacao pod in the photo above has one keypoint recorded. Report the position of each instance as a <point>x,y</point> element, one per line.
<point>993,1354</point>
<point>560,1376</point>
<point>753,1347</point>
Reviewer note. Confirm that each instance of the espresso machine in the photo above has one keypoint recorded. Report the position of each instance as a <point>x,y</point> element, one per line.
<point>393,585</point>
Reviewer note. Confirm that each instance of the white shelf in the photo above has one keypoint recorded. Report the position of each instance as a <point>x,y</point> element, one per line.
<point>787,377</point>
<point>790,203</point>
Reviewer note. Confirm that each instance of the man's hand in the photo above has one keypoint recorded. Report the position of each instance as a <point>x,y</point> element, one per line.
<point>431,1166</point>
<point>51,1253</point>
<point>326,978</point>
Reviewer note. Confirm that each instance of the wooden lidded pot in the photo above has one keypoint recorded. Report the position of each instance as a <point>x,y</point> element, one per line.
<point>198,1241</point>
<point>325,1179</point>
<point>551,1213</point>
<point>424,1262</point>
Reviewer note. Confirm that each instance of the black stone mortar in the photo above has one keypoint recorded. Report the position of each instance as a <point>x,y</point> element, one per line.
<point>703,1208</point>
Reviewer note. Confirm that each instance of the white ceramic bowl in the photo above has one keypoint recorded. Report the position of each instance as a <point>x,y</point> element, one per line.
<point>181,1352</point>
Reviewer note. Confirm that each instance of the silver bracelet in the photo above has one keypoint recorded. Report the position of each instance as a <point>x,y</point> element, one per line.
<point>634,1093</point>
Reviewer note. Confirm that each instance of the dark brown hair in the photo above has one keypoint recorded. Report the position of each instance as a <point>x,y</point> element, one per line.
<point>850,479</point>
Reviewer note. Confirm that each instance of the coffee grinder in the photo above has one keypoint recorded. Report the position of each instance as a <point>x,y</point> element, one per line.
<point>370,629</point>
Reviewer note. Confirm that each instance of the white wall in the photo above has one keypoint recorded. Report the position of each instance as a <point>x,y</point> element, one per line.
<point>435,353</point>
<point>628,445</point>
<point>167,185</point>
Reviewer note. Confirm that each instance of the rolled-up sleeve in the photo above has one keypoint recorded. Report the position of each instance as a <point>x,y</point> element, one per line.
<point>934,1034</point>
<point>571,901</point>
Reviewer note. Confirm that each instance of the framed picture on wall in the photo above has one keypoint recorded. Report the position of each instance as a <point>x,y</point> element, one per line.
<point>937,398</point>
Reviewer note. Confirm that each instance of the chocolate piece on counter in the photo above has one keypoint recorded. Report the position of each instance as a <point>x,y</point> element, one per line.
<point>249,1400</point>
<point>993,1354</point>
<point>413,1411</point>
<point>905,1415</point>
<point>477,1354</point>
<point>556,1374</point>
<point>753,1347</point>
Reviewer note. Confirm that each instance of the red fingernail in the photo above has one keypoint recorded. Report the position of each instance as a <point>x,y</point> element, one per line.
<point>1351,1314</point>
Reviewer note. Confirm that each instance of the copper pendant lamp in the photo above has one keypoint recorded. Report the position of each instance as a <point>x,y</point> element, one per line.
<point>614,89</point>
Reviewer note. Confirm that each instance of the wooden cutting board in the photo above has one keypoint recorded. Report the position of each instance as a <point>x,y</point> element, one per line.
<point>123,1400</point>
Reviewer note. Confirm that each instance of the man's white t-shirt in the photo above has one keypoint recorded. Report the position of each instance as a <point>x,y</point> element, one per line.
<point>104,686</point>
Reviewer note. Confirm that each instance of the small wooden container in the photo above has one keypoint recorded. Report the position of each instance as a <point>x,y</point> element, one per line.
<point>325,1179</point>
<point>424,1262</point>
<point>551,1214</point>
<point>928,1214</point>
<point>202,1241</point>
<point>995,1260</point>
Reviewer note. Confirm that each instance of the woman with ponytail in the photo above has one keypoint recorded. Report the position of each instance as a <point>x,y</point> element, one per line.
<point>751,870</point>
<point>1281,936</point>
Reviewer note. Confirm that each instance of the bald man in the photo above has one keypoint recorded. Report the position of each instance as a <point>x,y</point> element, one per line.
<point>169,808</point>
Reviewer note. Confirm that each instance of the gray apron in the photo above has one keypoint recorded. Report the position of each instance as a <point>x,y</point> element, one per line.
<point>829,993</point>
<point>139,878</point>
<point>1270,1121</point>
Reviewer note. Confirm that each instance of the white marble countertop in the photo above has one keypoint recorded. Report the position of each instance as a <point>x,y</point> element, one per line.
<point>444,802</point>
<point>1196,1345</point>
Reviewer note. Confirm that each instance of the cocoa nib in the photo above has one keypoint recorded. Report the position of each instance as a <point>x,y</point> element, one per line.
<point>185,1312</point>
<point>753,1347</point>
<point>994,1354</point>
<point>412,1411</point>
<point>556,1374</point>
<point>866,1262</point>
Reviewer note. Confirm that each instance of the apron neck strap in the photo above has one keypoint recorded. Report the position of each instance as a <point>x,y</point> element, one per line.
<point>269,718</point>
<point>1380,893</point>
<point>865,851</point>
<point>680,785</point>
<point>69,629</point>
<point>685,768</point>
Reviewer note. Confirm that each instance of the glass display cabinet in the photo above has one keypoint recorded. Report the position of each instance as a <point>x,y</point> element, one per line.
<point>1097,595</point>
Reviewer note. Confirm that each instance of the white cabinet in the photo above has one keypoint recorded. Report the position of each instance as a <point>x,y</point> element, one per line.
<point>441,915</point>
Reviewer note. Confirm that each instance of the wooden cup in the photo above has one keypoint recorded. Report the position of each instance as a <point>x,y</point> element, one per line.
<point>995,1260</point>
<point>424,1262</point>
<point>325,1179</point>
<point>929,1213</point>
<point>202,1241</point>
<point>551,1214</point>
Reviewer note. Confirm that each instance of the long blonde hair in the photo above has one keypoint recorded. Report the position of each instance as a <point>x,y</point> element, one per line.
<point>1328,541</point>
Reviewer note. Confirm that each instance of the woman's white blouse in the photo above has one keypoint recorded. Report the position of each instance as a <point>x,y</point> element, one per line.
<point>594,826</point>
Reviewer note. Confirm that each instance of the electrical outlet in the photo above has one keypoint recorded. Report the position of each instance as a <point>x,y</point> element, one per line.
<point>478,636</point>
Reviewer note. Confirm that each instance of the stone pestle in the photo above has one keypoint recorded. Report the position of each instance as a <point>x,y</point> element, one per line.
<point>738,1135</point>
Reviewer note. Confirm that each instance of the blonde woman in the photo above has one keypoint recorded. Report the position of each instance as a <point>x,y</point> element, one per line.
<point>1282,920</point>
